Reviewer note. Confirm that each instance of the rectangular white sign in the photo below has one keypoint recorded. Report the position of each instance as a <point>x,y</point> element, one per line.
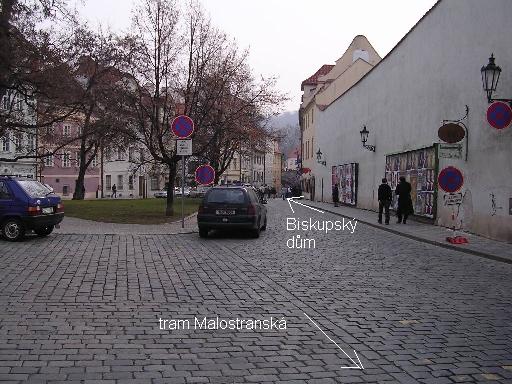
<point>184,147</point>
<point>450,151</point>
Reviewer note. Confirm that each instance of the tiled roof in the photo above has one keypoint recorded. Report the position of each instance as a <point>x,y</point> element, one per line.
<point>313,80</point>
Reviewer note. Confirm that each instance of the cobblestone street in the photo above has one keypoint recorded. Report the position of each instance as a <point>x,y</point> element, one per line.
<point>77,308</point>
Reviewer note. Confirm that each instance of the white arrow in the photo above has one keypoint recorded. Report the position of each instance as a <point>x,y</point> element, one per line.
<point>292,200</point>
<point>357,366</point>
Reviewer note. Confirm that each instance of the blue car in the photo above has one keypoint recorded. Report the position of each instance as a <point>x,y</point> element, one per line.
<point>25,205</point>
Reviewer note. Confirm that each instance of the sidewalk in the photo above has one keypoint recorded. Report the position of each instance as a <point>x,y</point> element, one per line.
<point>427,233</point>
<point>72,225</point>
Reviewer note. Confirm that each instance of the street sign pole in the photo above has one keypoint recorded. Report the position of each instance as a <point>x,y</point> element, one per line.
<point>183,193</point>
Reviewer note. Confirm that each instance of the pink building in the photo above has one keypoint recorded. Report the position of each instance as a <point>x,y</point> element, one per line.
<point>60,170</point>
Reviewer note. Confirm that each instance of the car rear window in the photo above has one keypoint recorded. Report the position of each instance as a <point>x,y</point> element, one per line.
<point>34,188</point>
<point>226,196</point>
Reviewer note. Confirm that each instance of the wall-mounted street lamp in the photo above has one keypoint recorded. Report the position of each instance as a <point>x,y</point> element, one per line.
<point>319,158</point>
<point>364,138</point>
<point>490,78</point>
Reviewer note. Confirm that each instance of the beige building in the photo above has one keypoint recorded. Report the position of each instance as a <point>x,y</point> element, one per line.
<point>322,89</point>
<point>258,167</point>
<point>277,167</point>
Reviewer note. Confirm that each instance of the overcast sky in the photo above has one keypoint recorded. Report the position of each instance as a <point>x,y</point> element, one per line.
<point>290,39</point>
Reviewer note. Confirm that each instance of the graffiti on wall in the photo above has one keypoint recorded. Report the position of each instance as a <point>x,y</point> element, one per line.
<point>418,167</point>
<point>455,201</point>
<point>494,205</point>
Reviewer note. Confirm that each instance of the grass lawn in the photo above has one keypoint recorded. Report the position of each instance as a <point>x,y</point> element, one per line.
<point>134,211</point>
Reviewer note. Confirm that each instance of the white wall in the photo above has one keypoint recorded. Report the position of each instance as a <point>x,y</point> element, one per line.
<point>429,77</point>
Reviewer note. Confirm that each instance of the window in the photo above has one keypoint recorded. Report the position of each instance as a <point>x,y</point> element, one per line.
<point>6,143</point>
<point>78,159</point>
<point>95,161</point>
<point>130,182</point>
<point>120,182</point>
<point>67,130</point>
<point>120,154</point>
<point>108,154</point>
<point>50,130</point>
<point>4,191</point>
<point>65,190</point>
<point>155,184</point>
<point>131,154</point>
<point>18,139</point>
<point>66,160</point>
<point>48,161</point>
<point>5,102</point>
<point>108,182</point>
<point>31,141</point>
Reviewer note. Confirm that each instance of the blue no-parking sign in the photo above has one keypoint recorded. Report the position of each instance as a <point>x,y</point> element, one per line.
<point>205,175</point>
<point>182,126</point>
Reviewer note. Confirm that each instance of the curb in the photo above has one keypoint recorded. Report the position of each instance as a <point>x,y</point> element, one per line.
<point>423,240</point>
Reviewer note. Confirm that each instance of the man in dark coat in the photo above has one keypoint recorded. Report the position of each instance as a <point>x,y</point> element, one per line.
<point>335,195</point>
<point>403,190</point>
<point>385,197</point>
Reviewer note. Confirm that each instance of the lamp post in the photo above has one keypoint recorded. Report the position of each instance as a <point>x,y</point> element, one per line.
<point>490,78</point>
<point>319,158</point>
<point>364,138</point>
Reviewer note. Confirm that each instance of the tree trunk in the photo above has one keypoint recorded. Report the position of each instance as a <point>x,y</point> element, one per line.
<point>79,193</point>
<point>169,208</point>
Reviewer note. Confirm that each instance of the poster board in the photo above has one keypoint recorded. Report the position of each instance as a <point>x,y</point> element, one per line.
<point>418,167</point>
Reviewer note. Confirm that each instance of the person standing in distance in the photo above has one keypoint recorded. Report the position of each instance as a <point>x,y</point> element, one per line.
<point>114,191</point>
<point>403,191</point>
<point>385,196</point>
<point>335,195</point>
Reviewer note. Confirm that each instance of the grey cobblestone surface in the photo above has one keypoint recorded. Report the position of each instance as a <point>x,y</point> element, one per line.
<point>85,309</point>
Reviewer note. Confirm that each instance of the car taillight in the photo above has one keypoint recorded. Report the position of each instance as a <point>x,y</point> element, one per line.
<point>60,207</point>
<point>251,210</point>
<point>34,211</point>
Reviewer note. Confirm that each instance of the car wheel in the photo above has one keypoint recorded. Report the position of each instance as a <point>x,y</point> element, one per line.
<point>256,232</point>
<point>13,229</point>
<point>264,228</point>
<point>44,231</point>
<point>203,233</point>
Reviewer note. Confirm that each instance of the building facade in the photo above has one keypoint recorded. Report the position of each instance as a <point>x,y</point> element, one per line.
<point>15,143</point>
<point>60,169</point>
<point>319,91</point>
<point>430,76</point>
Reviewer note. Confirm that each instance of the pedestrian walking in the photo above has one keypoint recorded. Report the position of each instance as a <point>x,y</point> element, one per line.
<point>283,192</point>
<point>114,191</point>
<point>273,191</point>
<point>385,195</point>
<point>335,195</point>
<point>403,191</point>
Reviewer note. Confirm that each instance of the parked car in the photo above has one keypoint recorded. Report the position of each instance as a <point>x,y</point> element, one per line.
<point>186,190</point>
<point>25,205</point>
<point>199,191</point>
<point>161,194</point>
<point>231,208</point>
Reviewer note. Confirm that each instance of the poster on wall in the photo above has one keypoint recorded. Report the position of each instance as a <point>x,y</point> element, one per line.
<point>345,176</point>
<point>418,167</point>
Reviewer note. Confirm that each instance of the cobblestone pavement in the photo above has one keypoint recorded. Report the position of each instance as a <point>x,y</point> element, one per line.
<point>86,309</point>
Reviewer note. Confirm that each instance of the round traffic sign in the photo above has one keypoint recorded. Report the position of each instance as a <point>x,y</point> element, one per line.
<point>450,179</point>
<point>205,175</point>
<point>182,126</point>
<point>499,115</point>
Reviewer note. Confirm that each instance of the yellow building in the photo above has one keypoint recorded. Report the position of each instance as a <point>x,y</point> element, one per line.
<point>319,91</point>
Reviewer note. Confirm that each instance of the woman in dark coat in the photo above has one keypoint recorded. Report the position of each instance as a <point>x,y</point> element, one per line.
<point>405,208</point>
<point>335,195</point>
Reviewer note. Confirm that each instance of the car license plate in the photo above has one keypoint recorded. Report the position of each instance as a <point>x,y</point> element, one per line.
<point>48,211</point>
<point>225,212</point>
